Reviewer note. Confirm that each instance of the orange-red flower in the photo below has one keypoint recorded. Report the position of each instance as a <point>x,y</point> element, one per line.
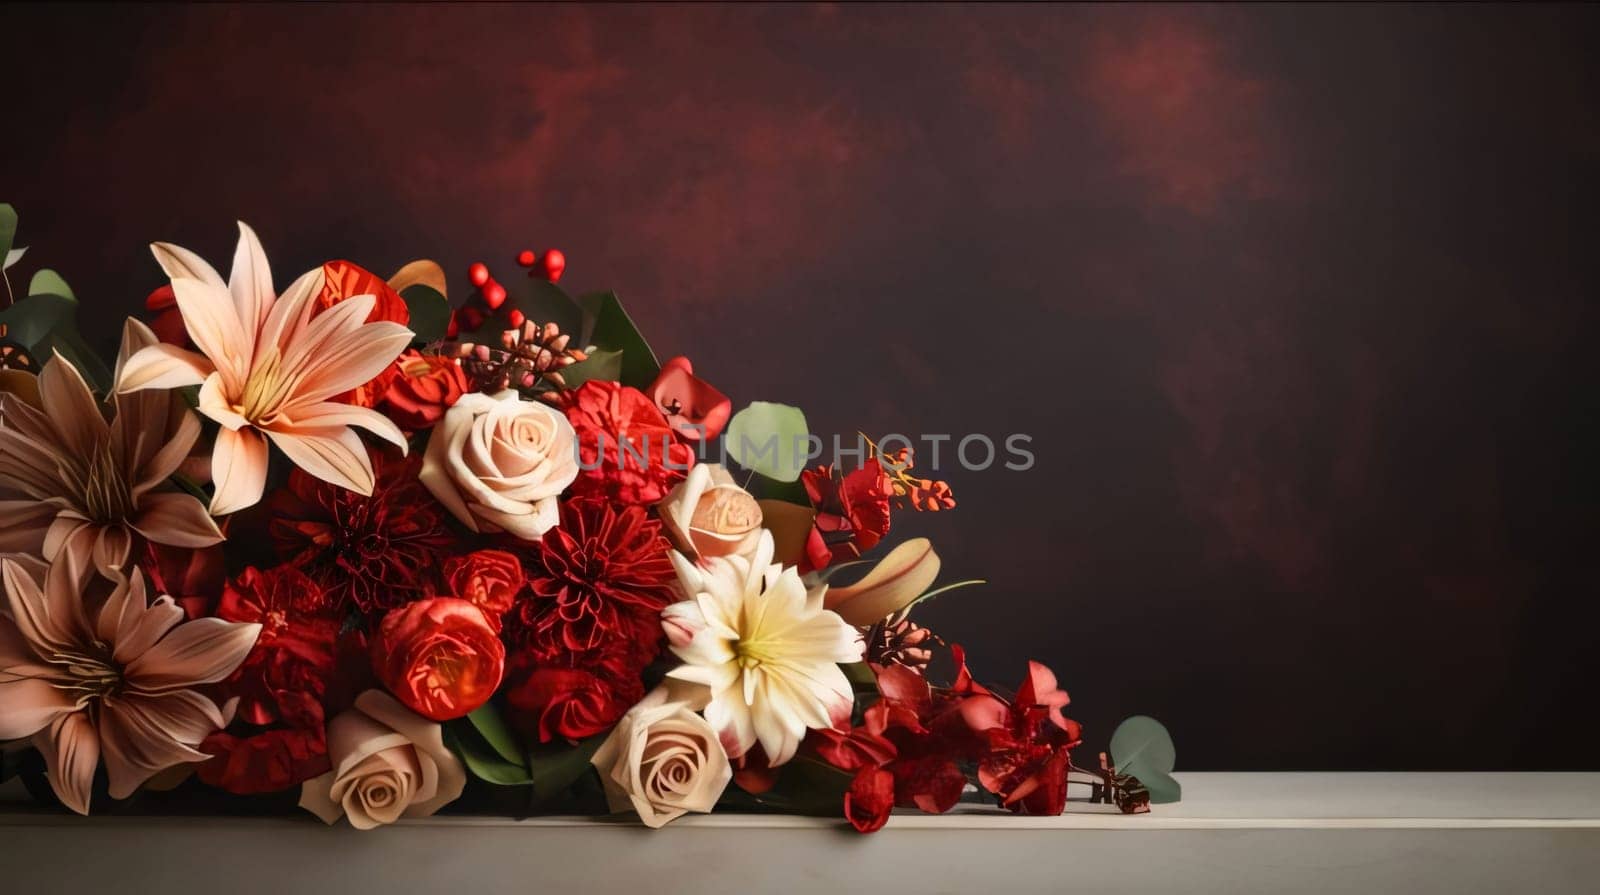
<point>440,657</point>
<point>626,447</point>
<point>420,388</point>
<point>488,579</point>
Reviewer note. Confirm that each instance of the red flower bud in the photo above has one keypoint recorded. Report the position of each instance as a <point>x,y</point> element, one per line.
<point>440,657</point>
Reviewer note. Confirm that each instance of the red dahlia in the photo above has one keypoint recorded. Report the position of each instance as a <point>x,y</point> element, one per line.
<point>600,578</point>
<point>377,552</point>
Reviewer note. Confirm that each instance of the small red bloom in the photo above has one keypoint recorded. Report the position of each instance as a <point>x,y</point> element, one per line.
<point>194,578</point>
<point>692,406</point>
<point>572,703</point>
<point>420,389</point>
<point>870,799</point>
<point>852,513</point>
<point>377,552</point>
<point>598,579</point>
<point>626,447</point>
<point>166,320</point>
<point>488,579</point>
<point>440,657</point>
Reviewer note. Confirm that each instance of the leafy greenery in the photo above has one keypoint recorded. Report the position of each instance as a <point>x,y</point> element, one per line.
<point>48,282</point>
<point>769,439</point>
<point>1142,747</point>
<point>556,767</point>
<point>601,365</point>
<point>608,327</point>
<point>430,312</point>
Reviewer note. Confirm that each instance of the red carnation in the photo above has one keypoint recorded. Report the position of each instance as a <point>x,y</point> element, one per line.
<point>852,513</point>
<point>440,657</point>
<point>377,552</point>
<point>627,448</point>
<point>488,579</point>
<point>600,578</point>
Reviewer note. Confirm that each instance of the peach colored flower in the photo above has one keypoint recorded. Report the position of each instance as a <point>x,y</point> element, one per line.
<point>269,368</point>
<point>388,763</point>
<point>662,760</point>
<point>708,515</point>
<point>116,686</point>
<point>68,477</point>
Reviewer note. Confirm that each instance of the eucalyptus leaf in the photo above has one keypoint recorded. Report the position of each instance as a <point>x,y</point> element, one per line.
<point>608,327</point>
<point>8,231</point>
<point>555,768</point>
<point>769,439</point>
<point>601,365</point>
<point>1143,748</point>
<point>429,312</point>
<point>481,760</point>
<point>44,324</point>
<point>486,720</point>
<point>48,282</point>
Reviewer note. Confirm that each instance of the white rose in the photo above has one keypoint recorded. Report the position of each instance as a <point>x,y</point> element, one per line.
<point>499,462</point>
<point>662,760</point>
<point>388,763</point>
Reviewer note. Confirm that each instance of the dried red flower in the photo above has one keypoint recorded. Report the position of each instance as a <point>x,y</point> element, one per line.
<point>376,552</point>
<point>420,388</point>
<point>440,657</point>
<point>488,579</point>
<point>852,513</point>
<point>626,447</point>
<point>869,799</point>
<point>599,578</point>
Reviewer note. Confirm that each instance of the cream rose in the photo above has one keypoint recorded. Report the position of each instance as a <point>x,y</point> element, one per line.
<point>708,515</point>
<point>388,763</point>
<point>662,760</point>
<point>499,462</point>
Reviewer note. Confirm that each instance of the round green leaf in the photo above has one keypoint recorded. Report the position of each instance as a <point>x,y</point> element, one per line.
<point>1142,747</point>
<point>770,439</point>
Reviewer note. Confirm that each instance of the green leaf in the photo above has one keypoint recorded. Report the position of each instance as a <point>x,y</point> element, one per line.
<point>770,439</point>
<point>860,676</point>
<point>554,768</point>
<point>44,324</point>
<point>48,282</point>
<point>430,312</point>
<point>486,720</point>
<point>8,230</point>
<point>1142,747</point>
<point>793,492</point>
<point>602,365</point>
<point>548,303</point>
<point>609,327</point>
<point>12,257</point>
<point>481,760</point>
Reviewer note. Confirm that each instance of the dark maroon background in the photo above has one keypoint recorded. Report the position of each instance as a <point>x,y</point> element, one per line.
<point>1297,303</point>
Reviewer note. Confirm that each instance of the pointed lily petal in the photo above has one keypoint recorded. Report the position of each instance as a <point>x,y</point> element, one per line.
<point>250,281</point>
<point>213,323</point>
<point>71,752</point>
<point>175,519</point>
<point>239,467</point>
<point>141,736</point>
<point>163,366</point>
<point>73,411</point>
<point>180,263</point>
<point>28,702</point>
<point>202,651</point>
<point>333,415</point>
<point>336,456</point>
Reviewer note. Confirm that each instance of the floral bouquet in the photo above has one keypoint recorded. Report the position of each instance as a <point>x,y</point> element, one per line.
<point>352,543</point>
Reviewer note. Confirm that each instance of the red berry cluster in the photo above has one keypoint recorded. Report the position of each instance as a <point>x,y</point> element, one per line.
<point>491,295</point>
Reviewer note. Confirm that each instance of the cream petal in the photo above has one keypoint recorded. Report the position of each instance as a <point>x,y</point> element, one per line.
<point>112,546</point>
<point>332,415</point>
<point>163,366</point>
<point>290,314</point>
<point>180,263</point>
<point>202,651</point>
<point>349,359</point>
<point>250,281</point>
<point>336,456</point>
<point>74,413</point>
<point>71,751</point>
<point>239,468</point>
<point>175,519</point>
<point>50,618</point>
<point>316,337</point>
<point>316,797</point>
<point>121,610</point>
<point>213,324</point>
<point>135,338</point>
<point>213,401</point>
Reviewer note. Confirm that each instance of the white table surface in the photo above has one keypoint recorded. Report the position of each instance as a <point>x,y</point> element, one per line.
<point>1325,832</point>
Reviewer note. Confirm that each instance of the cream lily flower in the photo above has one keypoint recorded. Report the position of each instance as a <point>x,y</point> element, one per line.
<point>765,647</point>
<point>116,686</point>
<point>268,369</point>
<point>70,478</point>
